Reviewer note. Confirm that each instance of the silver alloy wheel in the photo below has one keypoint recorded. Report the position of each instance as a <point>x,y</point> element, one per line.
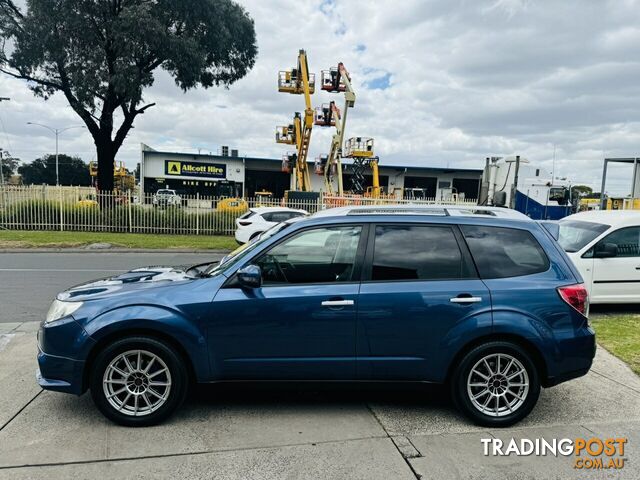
<point>498,384</point>
<point>137,383</point>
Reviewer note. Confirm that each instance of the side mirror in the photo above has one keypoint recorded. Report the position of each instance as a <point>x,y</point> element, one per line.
<point>250,276</point>
<point>606,250</point>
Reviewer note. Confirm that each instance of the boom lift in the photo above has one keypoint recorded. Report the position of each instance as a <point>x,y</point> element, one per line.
<point>360,149</point>
<point>334,80</point>
<point>123,180</point>
<point>298,81</point>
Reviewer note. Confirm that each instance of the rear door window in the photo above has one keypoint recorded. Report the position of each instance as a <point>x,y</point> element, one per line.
<point>414,252</point>
<point>282,216</point>
<point>504,252</point>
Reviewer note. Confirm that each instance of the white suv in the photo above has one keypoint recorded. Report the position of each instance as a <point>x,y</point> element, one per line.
<point>261,219</point>
<point>605,247</point>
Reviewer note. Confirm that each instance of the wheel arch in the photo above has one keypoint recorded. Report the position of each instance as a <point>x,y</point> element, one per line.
<point>527,345</point>
<point>159,335</point>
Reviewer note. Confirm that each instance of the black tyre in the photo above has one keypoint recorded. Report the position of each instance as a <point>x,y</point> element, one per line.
<point>496,384</point>
<point>138,381</point>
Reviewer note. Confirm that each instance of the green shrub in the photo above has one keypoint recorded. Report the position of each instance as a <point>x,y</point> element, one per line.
<point>45,215</point>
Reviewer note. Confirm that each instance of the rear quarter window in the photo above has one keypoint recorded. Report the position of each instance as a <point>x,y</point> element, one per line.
<point>504,252</point>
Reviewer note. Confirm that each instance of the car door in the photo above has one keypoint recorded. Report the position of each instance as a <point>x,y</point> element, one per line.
<point>616,279</point>
<point>419,285</point>
<point>300,324</point>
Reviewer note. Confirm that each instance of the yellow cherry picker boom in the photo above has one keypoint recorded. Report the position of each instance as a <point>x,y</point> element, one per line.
<point>334,80</point>
<point>298,81</point>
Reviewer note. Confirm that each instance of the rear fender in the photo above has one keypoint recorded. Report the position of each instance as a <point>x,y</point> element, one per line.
<point>462,333</point>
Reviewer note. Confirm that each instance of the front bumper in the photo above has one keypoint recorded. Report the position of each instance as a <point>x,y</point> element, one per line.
<point>60,374</point>
<point>62,347</point>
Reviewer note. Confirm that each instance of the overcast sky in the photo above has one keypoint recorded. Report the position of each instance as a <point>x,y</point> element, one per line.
<point>438,83</point>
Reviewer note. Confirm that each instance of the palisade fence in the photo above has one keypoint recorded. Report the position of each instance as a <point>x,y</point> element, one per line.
<point>81,209</point>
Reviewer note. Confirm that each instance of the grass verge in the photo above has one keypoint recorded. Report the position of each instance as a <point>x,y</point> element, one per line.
<point>51,239</point>
<point>620,335</point>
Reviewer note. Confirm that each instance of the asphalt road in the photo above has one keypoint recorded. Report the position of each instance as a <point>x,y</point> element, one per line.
<point>30,281</point>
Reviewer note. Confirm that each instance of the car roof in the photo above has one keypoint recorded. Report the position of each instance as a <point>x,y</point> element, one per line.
<point>615,218</point>
<point>418,209</point>
<point>260,210</point>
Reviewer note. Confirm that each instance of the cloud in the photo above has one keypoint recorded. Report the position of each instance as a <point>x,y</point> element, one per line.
<point>438,83</point>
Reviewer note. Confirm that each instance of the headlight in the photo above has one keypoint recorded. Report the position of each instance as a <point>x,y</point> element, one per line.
<point>60,309</point>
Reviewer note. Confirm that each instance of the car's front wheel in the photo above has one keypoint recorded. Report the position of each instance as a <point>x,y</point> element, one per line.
<point>496,384</point>
<point>138,381</point>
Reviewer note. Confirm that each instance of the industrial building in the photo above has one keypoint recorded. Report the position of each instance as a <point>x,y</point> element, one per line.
<point>229,174</point>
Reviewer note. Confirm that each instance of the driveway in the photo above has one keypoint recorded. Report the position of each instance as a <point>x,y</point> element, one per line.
<point>296,431</point>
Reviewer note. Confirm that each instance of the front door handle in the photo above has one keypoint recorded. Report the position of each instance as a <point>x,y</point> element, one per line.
<point>465,299</point>
<point>337,303</point>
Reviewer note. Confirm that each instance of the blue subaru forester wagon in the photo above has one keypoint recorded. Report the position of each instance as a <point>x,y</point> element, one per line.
<point>481,299</point>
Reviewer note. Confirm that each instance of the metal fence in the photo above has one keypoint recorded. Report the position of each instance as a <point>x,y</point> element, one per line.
<point>81,209</point>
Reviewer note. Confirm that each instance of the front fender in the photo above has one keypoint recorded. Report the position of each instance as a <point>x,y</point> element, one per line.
<point>153,318</point>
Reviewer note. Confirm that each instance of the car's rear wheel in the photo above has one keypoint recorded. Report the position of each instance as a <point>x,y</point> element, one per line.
<point>496,384</point>
<point>138,381</point>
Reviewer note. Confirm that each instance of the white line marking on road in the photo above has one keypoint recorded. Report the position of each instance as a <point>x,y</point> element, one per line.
<point>5,339</point>
<point>57,270</point>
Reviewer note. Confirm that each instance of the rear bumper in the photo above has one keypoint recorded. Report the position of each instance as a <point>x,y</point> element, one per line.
<point>576,357</point>
<point>553,381</point>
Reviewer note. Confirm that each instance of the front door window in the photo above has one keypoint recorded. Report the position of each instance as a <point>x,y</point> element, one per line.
<point>320,255</point>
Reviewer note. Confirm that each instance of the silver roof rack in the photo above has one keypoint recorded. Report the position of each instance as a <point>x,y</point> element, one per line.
<point>397,211</point>
<point>418,209</point>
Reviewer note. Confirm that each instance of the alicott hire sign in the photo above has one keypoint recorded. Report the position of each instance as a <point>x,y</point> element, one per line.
<point>195,169</point>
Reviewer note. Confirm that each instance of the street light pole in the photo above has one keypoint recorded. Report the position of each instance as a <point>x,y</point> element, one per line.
<point>2,99</point>
<point>57,168</point>
<point>56,132</point>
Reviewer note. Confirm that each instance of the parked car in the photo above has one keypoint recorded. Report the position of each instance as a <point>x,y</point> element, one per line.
<point>483,300</point>
<point>605,247</point>
<point>166,198</point>
<point>261,219</point>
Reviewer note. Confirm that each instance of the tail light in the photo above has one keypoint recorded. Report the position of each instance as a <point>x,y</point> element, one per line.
<point>244,224</point>
<point>576,296</point>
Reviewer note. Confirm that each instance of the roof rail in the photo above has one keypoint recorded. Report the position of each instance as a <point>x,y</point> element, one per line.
<point>397,211</point>
<point>418,209</point>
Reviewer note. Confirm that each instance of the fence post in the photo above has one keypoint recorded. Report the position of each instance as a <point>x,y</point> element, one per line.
<point>197,213</point>
<point>129,209</point>
<point>61,213</point>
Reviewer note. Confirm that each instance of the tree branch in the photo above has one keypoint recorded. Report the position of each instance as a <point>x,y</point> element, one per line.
<point>84,114</point>
<point>141,110</point>
<point>23,76</point>
<point>11,8</point>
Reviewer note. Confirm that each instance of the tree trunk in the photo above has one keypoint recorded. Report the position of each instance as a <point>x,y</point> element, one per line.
<point>106,159</point>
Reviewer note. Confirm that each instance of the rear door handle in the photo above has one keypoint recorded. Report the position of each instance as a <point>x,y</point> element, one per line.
<point>465,299</point>
<point>337,303</point>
